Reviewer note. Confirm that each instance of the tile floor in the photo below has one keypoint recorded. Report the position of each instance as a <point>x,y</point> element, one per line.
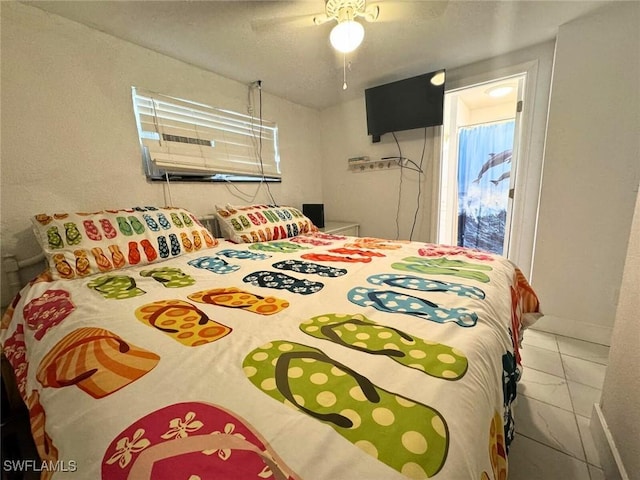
<point>562,379</point>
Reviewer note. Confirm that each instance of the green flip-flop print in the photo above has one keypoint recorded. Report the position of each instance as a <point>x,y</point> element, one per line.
<point>410,437</point>
<point>124,226</point>
<point>444,266</point>
<point>359,333</point>
<point>284,247</point>
<point>169,277</point>
<point>117,287</point>
<point>136,225</point>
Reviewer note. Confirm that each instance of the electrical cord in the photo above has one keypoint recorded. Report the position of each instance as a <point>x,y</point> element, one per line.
<point>399,188</point>
<point>415,215</point>
<point>273,201</point>
<point>247,197</point>
<point>419,170</point>
<point>404,159</point>
<point>166,176</point>
<point>257,145</point>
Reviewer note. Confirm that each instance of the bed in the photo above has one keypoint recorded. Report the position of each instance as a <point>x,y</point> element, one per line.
<point>150,348</point>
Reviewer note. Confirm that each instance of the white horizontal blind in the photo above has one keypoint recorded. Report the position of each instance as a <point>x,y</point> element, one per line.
<point>192,138</point>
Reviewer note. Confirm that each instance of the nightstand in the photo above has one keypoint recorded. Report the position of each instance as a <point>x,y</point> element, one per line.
<point>349,229</point>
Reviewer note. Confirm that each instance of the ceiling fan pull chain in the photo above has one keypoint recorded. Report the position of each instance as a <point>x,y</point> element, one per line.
<point>344,71</point>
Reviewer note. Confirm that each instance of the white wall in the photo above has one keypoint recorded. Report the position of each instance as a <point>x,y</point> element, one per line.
<point>69,140</point>
<point>591,172</point>
<point>370,198</point>
<point>621,390</point>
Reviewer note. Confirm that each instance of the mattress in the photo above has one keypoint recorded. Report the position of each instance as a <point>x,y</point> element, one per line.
<point>314,357</point>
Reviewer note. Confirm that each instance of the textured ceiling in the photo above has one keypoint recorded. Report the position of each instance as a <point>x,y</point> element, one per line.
<point>277,42</point>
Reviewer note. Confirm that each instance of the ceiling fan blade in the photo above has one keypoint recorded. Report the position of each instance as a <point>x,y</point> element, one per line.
<point>372,13</point>
<point>321,18</point>
<point>293,21</point>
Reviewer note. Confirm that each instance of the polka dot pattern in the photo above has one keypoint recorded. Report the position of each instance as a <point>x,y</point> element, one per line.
<point>411,282</point>
<point>404,434</point>
<point>233,297</point>
<point>117,287</point>
<point>360,333</point>
<point>310,268</point>
<point>182,321</point>
<point>390,301</point>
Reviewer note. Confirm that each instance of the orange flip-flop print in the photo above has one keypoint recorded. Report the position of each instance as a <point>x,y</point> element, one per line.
<point>233,297</point>
<point>97,361</point>
<point>181,321</point>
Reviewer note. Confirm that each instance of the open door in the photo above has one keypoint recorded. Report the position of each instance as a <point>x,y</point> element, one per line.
<point>479,165</point>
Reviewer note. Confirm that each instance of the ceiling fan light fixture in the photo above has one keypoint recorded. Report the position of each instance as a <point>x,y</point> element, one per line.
<point>346,36</point>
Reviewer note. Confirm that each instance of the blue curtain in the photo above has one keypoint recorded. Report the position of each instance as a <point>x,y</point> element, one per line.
<point>484,166</point>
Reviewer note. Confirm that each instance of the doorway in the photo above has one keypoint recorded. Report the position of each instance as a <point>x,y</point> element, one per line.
<point>481,135</point>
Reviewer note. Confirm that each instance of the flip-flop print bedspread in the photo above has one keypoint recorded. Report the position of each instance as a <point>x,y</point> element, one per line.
<point>310,358</point>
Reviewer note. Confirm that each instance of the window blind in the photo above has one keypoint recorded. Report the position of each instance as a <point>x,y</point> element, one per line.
<point>183,137</point>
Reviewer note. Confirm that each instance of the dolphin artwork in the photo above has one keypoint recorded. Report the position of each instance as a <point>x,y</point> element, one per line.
<point>506,174</point>
<point>494,159</point>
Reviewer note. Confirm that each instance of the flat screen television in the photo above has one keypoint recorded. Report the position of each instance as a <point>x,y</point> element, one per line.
<point>415,102</point>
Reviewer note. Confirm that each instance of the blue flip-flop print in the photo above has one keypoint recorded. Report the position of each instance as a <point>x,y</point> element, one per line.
<point>300,266</point>
<point>243,254</point>
<point>281,281</point>
<point>421,284</point>
<point>214,264</point>
<point>393,302</point>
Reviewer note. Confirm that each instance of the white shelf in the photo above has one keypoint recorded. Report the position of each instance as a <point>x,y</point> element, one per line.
<point>371,165</point>
<point>350,229</point>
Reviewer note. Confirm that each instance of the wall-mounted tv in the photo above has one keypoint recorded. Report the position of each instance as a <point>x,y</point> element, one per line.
<point>415,102</point>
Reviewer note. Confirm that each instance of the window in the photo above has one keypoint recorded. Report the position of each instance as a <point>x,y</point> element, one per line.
<point>188,141</point>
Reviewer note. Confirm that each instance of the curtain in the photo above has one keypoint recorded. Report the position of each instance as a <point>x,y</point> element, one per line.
<point>484,166</point>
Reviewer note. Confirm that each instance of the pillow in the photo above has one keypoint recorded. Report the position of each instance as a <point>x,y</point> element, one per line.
<point>261,223</point>
<point>81,244</point>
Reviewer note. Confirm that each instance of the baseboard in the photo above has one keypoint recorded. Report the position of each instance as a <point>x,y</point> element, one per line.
<point>589,332</point>
<point>609,456</point>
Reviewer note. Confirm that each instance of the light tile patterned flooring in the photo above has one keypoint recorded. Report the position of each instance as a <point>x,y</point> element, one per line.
<point>562,379</point>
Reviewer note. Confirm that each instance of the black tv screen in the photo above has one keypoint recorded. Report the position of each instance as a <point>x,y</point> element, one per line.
<point>404,105</point>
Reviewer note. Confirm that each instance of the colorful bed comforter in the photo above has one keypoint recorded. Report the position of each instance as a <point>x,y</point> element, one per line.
<point>317,357</point>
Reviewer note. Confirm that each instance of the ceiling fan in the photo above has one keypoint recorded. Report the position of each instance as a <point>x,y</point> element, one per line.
<point>348,32</point>
<point>336,9</point>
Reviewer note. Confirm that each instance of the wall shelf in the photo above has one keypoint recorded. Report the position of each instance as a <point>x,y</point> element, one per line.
<point>363,164</point>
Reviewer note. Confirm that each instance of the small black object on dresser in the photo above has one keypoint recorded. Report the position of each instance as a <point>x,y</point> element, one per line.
<point>315,212</point>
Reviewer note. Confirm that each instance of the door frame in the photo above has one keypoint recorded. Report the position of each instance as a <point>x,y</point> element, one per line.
<point>517,139</point>
<point>526,183</point>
